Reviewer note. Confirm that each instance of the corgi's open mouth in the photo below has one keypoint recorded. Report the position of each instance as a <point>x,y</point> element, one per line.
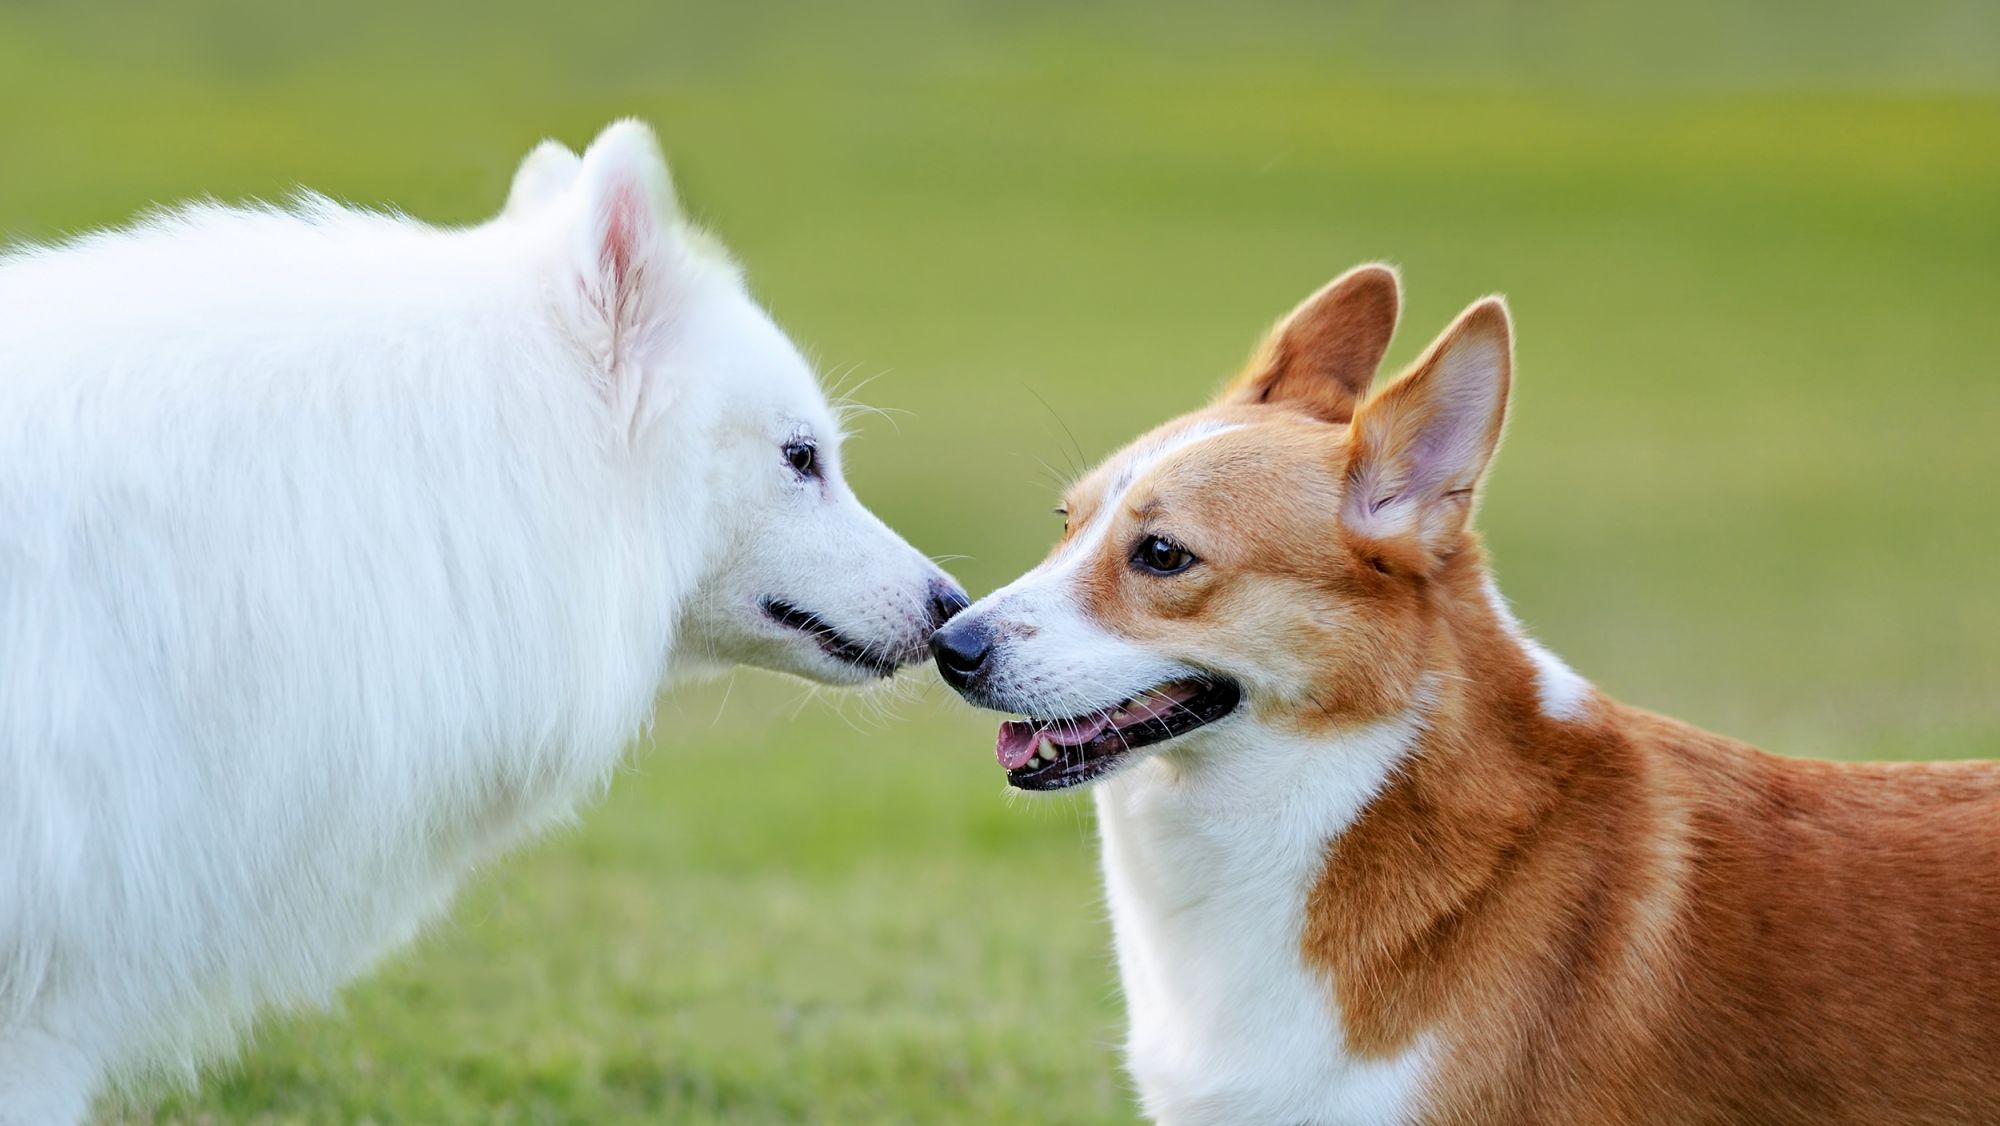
<point>830,640</point>
<point>1057,754</point>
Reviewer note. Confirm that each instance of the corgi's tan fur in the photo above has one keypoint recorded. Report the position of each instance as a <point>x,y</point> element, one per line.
<point>1407,866</point>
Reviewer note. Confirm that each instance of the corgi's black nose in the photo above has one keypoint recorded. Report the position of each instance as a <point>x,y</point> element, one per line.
<point>961,649</point>
<point>946,601</point>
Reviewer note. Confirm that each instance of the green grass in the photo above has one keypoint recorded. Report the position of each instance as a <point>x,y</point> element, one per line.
<point>1751,478</point>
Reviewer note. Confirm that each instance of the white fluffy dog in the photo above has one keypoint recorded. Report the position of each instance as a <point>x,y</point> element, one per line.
<point>339,552</point>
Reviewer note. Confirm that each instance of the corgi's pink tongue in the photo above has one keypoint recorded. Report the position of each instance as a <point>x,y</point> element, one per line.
<point>1019,739</point>
<point>1015,747</point>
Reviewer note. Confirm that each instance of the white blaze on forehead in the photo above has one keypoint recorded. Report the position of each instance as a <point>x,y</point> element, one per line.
<point>1144,460</point>
<point>1136,467</point>
<point>1564,694</point>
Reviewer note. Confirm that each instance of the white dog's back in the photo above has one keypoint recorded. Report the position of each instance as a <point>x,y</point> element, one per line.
<point>233,482</point>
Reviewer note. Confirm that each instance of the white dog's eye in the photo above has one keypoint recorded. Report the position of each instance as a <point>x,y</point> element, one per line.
<point>804,458</point>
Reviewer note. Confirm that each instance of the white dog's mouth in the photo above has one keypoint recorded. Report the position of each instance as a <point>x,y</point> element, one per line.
<point>1057,754</point>
<point>860,655</point>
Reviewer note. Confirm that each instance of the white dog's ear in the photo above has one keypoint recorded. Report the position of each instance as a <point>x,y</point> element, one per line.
<point>542,176</point>
<point>1419,447</point>
<point>626,255</point>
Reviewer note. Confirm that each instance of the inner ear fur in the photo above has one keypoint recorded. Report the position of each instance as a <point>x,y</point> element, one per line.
<point>1322,356</point>
<point>1420,447</point>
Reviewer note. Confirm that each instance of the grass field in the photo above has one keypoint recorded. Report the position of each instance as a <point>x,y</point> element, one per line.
<point>1753,476</point>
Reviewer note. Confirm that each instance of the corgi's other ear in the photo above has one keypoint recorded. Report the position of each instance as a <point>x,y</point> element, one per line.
<point>625,254</point>
<point>543,175</point>
<point>1322,356</point>
<point>1420,447</point>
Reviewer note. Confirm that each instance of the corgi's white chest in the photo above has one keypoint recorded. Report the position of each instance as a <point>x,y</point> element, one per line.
<point>1207,875</point>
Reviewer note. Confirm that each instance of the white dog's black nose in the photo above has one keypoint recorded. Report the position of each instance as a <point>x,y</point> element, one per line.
<point>961,649</point>
<point>946,601</point>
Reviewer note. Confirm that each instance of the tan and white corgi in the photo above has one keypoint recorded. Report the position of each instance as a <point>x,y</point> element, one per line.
<point>1374,855</point>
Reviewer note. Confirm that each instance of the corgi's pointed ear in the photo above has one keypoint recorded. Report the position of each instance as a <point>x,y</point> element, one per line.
<point>1420,447</point>
<point>1322,357</point>
<point>543,175</point>
<point>625,255</point>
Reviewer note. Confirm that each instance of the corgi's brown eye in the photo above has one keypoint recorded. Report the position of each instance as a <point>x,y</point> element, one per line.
<point>1162,556</point>
<point>804,458</point>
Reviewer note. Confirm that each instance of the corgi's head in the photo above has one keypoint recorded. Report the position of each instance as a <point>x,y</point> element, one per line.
<point>1269,560</point>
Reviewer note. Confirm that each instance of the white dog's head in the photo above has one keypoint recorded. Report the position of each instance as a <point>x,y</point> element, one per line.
<point>793,573</point>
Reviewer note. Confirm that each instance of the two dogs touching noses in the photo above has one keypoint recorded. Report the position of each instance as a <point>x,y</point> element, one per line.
<point>340,553</point>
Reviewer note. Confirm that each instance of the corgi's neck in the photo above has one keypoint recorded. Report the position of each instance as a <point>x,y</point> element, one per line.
<point>1493,725</point>
<point>1209,862</point>
<point>1251,876</point>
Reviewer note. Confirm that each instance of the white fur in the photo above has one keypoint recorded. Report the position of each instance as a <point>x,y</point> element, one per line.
<point>1210,850</point>
<point>1562,692</point>
<point>339,552</point>
<point>547,170</point>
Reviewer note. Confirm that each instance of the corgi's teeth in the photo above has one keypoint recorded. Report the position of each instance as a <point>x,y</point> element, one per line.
<point>1046,750</point>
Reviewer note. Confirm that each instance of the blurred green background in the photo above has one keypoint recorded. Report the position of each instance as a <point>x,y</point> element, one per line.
<point>1753,477</point>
